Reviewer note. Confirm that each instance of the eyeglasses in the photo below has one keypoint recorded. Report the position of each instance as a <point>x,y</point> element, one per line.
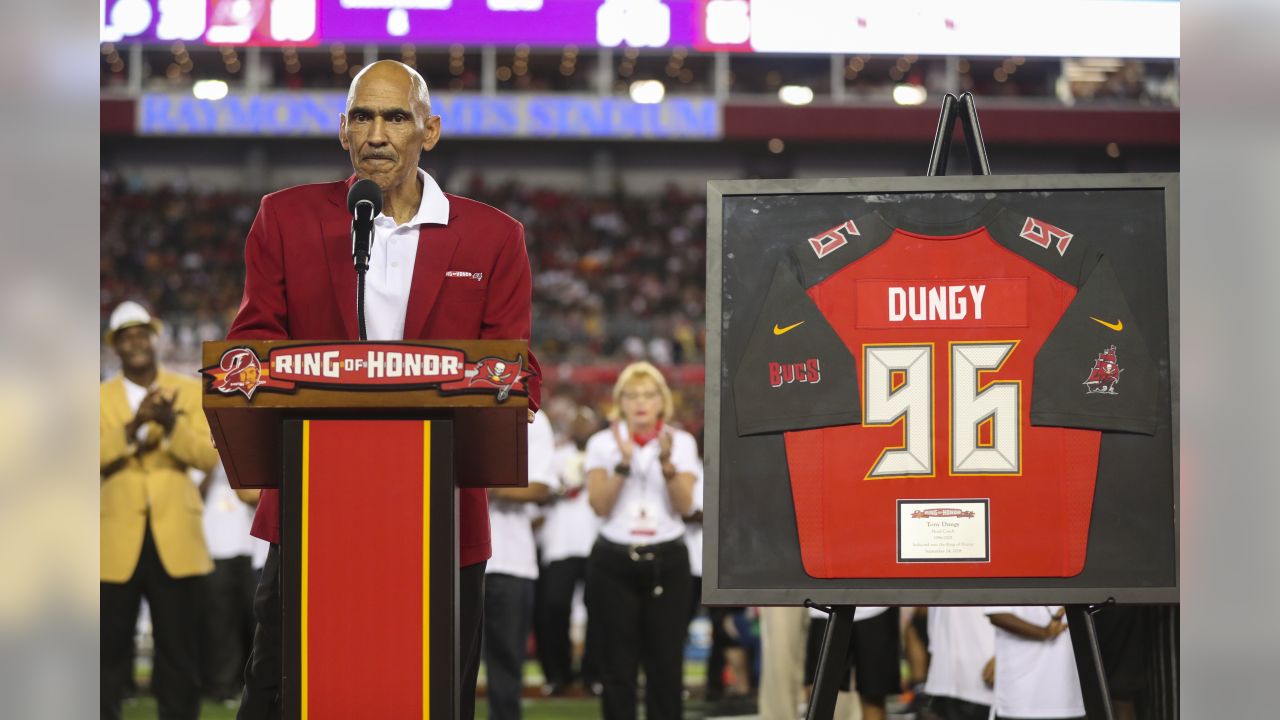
<point>649,395</point>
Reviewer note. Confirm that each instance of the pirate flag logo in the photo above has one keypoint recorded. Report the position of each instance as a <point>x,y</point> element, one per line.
<point>495,372</point>
<point>1105,373</point>
<point>241,371</point>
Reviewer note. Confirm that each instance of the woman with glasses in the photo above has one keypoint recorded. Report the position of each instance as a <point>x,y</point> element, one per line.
<point>640,480</point>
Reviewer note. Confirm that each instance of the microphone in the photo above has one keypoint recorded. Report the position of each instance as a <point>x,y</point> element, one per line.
<point>364,201</point>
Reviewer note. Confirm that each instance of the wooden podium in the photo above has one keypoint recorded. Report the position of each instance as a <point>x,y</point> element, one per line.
<point>368,443</point>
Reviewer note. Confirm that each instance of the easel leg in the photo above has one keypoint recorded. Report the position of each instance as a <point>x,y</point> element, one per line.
<point>835,647</point>
<point>1093,678</point>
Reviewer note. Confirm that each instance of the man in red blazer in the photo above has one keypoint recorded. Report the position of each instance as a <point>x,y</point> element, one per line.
<point>441,267</point>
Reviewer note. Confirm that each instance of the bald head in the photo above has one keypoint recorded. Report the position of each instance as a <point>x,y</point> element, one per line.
<point>386,126</point>
<point>394,72</point>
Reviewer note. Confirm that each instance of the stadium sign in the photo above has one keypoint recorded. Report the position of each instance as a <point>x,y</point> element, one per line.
<point>315,114</point>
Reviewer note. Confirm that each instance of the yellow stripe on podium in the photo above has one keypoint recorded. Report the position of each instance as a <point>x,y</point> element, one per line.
<point>302,605</point>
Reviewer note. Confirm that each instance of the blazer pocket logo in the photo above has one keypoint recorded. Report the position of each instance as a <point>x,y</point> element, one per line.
<point>477,276</point>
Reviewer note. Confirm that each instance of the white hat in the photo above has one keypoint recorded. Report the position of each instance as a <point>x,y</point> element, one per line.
<point>128,314</point>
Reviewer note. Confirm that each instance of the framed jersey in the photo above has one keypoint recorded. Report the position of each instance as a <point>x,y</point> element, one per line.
<point>959,384</point>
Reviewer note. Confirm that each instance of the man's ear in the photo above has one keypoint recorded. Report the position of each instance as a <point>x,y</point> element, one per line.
<point>342,131</point>
<point>432,135</point>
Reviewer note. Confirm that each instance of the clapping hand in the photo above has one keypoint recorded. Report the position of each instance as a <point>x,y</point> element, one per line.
<point>156,407</point>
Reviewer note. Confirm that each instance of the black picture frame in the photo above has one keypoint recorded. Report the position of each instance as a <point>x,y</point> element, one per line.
<point>735,542</point>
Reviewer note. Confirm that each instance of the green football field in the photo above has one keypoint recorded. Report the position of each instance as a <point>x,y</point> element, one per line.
<point>145,709</point>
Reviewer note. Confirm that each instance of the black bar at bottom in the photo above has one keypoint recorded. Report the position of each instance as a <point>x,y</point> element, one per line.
<point>831,662</point>
<point>1093,678</point>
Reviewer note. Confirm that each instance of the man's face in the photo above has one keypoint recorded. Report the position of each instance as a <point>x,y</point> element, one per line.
<point>136,347</point>
<point>386,128</point>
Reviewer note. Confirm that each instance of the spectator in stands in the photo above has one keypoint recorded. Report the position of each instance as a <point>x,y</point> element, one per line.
<point>640,478</point>
<point>153,431</point>
<point>1035,665</point>
<point>961,645</point>
<point>568,531</point>
<point>511,573</point>
<point>228,618</point>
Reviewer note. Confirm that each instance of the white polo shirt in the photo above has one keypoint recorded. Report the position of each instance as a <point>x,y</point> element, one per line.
<point>511,523</point>
<point>391,259</point>
<point>961,641</point>
<point>1035,678</point>
<point>642,514</point>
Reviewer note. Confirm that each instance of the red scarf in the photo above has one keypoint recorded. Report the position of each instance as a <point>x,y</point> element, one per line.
<point>641,440</point>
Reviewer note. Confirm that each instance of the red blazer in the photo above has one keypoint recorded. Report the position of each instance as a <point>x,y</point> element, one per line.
<point>300,284</point>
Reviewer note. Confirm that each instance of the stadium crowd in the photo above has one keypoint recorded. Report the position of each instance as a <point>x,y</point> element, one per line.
<point>616,278</point>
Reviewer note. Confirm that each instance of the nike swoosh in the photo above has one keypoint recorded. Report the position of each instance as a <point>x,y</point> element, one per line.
<point>782,331</point>
<point>1117,325</point>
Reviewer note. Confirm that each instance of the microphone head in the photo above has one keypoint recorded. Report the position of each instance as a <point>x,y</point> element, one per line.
<point>365,191</point>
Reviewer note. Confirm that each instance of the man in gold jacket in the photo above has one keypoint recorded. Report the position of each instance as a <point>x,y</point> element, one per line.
<point>153,432</point>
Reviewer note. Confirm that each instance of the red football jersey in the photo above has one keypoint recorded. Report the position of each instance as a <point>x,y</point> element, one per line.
<point>936,390</point>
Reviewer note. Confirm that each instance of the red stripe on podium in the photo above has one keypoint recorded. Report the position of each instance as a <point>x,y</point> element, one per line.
<point>364,567</point>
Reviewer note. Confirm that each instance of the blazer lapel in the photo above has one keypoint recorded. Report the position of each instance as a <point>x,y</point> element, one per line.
<point>117,398</point>
<point>342,274</point>
<point>436,245</point>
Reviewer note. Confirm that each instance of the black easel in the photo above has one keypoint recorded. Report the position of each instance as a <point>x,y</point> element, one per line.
<point>1084,636</point>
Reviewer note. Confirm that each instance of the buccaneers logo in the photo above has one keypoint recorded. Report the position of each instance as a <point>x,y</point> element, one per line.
<point>495,372</point>
<point>1104,374</point>
<point>242,372</point>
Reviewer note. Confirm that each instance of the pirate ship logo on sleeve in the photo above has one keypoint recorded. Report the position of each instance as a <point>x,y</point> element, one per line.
<point>240,371</point>
<point>1105,374</point>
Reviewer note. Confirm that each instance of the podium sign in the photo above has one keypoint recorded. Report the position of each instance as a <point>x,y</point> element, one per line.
<point>364,441</point>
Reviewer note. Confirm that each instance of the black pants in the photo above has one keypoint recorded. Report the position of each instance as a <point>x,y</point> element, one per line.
<point>175,619</point>
<point>508,613</point>
<point>554,609</point>
<point>261,699</point>
<point>639,601</point>
<point>228,628</point>
<point>949,708</point>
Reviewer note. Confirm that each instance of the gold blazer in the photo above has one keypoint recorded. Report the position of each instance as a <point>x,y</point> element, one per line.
<point>137,483</point>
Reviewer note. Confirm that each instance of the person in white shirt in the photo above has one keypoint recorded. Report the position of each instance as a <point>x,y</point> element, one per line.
<point>640,478</point>
<point>229,623</point>
<point>511,573</point>
<point>568,531</point>
<point>1035,665</point>
<point>961,644</point>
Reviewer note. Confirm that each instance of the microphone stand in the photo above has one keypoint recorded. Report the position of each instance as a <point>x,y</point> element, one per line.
<point>361,238</point>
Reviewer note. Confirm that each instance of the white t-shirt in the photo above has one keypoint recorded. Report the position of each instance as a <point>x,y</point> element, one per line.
<point>569,525</point>
<point>1035,678</point>
<point>135,394</point>
<point>961,641</point>
<point>642,514</point>
<point>511,523</point>
<point>227,519</point>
